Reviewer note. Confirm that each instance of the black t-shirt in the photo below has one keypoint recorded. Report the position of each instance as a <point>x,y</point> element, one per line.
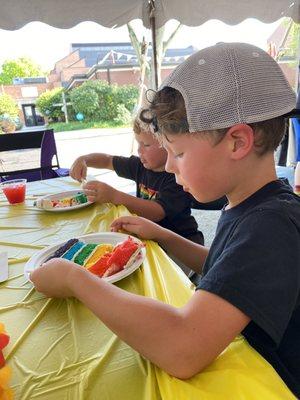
<point>162,188</point>
<point>254,263</point>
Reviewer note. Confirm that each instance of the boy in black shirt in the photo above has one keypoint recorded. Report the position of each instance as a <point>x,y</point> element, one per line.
<point>221,116</point>
<point>158,196</point>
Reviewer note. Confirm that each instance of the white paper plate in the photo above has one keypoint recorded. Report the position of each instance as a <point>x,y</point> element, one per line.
<point>61,195</point>
<point>107,237</point>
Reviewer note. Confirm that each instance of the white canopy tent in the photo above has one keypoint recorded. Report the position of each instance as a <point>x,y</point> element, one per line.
<point>67,13</point>
<point>154,13</point>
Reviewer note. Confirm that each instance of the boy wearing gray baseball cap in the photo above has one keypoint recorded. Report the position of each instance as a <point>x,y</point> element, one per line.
<point>220,116</point>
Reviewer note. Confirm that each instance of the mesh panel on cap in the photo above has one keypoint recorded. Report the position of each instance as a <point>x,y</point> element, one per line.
<point>231,83</point>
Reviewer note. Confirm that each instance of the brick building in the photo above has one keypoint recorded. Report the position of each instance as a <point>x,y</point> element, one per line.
<point>113,62</point>
<point>25,92</point>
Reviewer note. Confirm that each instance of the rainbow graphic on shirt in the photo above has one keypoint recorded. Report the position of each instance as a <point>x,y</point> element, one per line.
<point>147,193</point>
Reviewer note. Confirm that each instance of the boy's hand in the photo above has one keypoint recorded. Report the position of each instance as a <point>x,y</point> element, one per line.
<point>53,278</point>
<point>100,192</point>
<point>79,169</point>
<point>141,227</point>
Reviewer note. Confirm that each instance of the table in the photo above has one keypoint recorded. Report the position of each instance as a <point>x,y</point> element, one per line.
<point>59,350</point>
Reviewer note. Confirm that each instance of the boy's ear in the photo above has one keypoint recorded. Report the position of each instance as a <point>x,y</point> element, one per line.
<point>241,140</point>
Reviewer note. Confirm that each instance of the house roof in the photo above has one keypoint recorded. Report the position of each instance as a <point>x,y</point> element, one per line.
<point>123,53</point>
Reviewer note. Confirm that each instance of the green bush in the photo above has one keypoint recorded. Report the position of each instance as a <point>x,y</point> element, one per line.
<point>45,104</point>
<point>99,101</point>
<point>85,100</point>
<point>123,115</point>
<point>127,95</point>
<point>8,106</point>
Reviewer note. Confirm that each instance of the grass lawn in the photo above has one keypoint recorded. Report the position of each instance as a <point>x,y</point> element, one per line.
<point>76,125</point>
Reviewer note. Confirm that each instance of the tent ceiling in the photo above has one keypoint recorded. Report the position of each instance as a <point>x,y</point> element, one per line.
<point>67,13</point>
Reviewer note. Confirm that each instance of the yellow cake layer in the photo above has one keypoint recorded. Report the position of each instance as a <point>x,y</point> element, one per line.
<point>98,253</point>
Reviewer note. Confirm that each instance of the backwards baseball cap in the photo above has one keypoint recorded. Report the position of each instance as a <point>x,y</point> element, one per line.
<point>231,83</point>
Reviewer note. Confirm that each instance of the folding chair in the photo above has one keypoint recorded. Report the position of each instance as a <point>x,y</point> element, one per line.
<point>30,155</point>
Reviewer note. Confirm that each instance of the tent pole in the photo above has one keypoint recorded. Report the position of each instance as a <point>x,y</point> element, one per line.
<point>153,31</point>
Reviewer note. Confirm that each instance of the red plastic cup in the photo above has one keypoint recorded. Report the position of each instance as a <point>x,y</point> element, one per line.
<point>14,190</point>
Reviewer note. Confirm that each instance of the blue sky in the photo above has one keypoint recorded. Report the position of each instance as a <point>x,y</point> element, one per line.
<point>46,45</point>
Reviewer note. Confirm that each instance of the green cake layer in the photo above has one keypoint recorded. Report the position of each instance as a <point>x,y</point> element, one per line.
<point>84,253</point>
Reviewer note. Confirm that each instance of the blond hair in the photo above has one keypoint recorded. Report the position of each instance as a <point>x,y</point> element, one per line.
<point>140,126</point>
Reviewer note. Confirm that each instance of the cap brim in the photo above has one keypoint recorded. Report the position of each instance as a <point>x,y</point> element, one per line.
<point>293,114</point>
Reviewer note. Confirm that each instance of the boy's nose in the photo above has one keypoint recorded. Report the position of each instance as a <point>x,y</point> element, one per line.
<point>140,149</point>
<point>169,167</point>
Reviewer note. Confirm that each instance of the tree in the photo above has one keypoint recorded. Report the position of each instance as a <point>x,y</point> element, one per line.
<point>8,114</point>
<point>294,41</point>
<point>8,106</point>
<point>141,51</point>
<point>290,44</point>
<point>46,104</point>
<point>19,68</point>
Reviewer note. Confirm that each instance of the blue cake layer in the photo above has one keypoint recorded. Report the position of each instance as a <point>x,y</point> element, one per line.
<point>73,250</point>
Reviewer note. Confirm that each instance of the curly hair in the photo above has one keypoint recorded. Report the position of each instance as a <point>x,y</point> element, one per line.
<point>140,126</point>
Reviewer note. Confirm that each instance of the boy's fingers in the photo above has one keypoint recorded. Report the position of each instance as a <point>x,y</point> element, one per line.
<point>91,199</point>
<point>89,192</point>
<point>75,172</point>
<point>125,220</point>
<point>133,228</point>
<point>91,195</point>
<point>117,221</point>
<point>116,227</point>
<point>122,223</point>
<point>93,183</point>
<point>83,172</point>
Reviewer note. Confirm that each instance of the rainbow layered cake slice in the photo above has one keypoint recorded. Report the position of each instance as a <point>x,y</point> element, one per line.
<point>79,198</point>
<point>100,259</point>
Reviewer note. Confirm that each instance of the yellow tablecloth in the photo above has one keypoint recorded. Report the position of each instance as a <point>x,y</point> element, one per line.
<point>59,350</point>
